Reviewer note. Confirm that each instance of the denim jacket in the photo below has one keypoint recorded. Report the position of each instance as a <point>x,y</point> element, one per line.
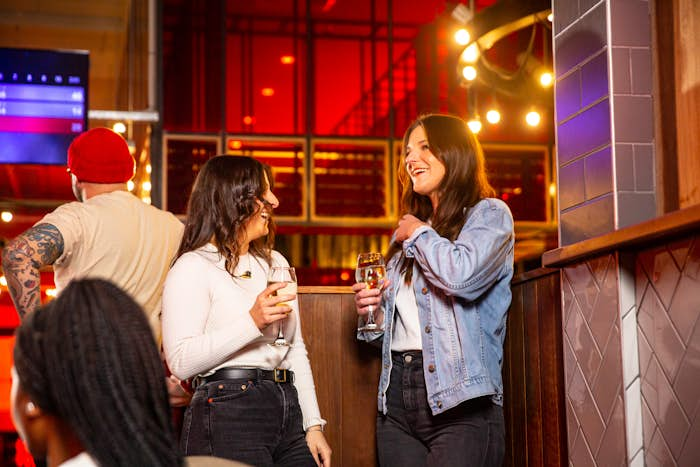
<point>463,293</point>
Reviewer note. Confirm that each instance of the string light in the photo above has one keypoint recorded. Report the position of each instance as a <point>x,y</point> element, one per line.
<point>552,189</point>
<point>149,169</point>
<point>546,79</point>
<point>550,17</point>
<point>469,73</point>
<point>533,118</point>
<point>146,186</point>
<point>51,293</point>
<point>471,53</point>
<point>3,281</point>
<point>493,116</point>
<point>146,199</point>
<point>130,185</point>
<point>6,216</point>
<point>462,36</point>
<point>119,127</point>
<point>474,125</point>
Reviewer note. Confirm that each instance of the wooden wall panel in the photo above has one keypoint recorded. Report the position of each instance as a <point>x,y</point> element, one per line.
<point>346,373</point>
<point>533,373</point>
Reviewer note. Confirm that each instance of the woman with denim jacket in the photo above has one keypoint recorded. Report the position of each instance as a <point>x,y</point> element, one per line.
<point>443,306</point>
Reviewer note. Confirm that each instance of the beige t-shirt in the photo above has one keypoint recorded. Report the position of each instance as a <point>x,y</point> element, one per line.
<point>118,237</point>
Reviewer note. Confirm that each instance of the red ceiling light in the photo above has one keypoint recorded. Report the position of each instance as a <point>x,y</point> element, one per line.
<point>287,59</point>
<point>235,144</point>
<point>248,120</point>
<point>267,92</point>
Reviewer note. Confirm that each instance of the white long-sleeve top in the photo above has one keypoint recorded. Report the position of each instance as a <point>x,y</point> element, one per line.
<point>207,324</point>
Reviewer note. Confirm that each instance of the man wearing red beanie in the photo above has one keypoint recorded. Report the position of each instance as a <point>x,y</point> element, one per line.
<point>109,233</point>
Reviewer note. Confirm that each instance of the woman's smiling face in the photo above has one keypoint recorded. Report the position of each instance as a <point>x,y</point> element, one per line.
<point>425,170</point>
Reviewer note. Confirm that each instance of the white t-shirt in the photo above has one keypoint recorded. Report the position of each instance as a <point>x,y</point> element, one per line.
<point>406,335</point>
<point>81,460</point>
<point>207,324</point>
<point>118,237</point>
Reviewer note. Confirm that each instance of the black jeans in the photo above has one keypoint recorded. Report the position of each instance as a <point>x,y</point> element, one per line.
<point>470,434</point>
<point>259,423</point>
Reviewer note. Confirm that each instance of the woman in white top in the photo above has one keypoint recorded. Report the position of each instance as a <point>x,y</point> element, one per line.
<point>253,402</point>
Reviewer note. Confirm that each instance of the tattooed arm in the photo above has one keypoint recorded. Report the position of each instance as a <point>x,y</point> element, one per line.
<point>21,260</point>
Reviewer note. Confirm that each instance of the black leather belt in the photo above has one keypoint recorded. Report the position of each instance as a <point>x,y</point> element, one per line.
<point>278,375</point>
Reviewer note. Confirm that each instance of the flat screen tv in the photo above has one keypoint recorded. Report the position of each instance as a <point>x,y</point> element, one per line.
<point>43,104</point>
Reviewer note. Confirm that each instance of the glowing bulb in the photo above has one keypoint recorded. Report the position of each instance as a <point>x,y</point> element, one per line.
<point>550,17</point>
<point>546,79</point>
<point>149,169</point>
<point>3,281</point>
<point>146,199</point>
<point>471,53</point>
<point>51,293</point>
<point>532,118</point>
<point>6,216</point>
<point>469,73</point>
<point>119,127</point>
<point>146,186</point>
<point>287,59</point>
<point>493,116</point>
<point>474,125</point>
<point>267,92</point>
<point>552,189</point>
<point>462,36</point>
<point>130,185</point>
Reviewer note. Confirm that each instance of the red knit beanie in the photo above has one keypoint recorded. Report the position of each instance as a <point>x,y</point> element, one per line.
<point>101,155</point>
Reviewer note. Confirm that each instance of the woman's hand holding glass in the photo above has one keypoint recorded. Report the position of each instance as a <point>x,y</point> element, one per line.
<point>270,308</point>
<point>370,275</point>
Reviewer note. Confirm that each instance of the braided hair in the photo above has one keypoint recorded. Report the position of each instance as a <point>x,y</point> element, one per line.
<point>89,358</point>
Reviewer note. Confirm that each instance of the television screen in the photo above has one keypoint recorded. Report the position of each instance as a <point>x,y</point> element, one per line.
<point>43,104</point>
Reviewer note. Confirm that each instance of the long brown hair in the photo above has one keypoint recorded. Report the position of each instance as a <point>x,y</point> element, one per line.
<point>463,185</point>
<point>224,197</point>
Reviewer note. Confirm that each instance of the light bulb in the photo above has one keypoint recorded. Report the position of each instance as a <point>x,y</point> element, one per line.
<point>474,125</point>
<point>469,73</point>
<point>462,36</point>
<point>6,216</point>
<point>546,79</point>
<point>471,53</point>
<point>119,127</point>
<point>533,118</point>
<point>493,116</point>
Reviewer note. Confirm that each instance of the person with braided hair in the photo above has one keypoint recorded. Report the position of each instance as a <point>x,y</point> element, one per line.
<point>88,384</point>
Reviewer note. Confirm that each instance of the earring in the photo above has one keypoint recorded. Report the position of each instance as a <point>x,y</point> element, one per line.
<point>30,406</point>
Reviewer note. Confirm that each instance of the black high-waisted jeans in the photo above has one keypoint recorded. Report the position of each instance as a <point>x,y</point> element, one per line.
<point>259,423</point>
<point>409,435</point>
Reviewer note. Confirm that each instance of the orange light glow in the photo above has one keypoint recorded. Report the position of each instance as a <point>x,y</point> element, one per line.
<point>287,59</point>
<point>235,144</point>
<point>267,92</point>
<point>344,276</point>
<point>248,120</point>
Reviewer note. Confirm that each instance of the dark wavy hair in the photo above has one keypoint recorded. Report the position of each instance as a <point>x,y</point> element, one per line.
<point>89,358</point>
<point>223,199</point>
<point>464,184</point>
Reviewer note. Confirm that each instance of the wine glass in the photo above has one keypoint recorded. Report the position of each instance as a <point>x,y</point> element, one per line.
<point>287,275</point>
<point>371,271</point>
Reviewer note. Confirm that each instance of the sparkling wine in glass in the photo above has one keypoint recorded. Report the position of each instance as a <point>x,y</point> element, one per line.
<point>371,271</point>
<point>289,277</point>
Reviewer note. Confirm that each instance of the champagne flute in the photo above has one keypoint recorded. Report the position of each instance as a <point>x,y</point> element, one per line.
<point>288,276</point>
<point>371,271</point>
